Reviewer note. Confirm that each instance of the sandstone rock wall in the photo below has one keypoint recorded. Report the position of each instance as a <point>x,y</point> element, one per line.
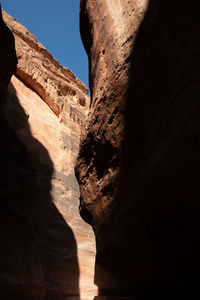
<point>43,73</point>
<point>108,31</point>
<point>47,251</point>
<point>138,165</point>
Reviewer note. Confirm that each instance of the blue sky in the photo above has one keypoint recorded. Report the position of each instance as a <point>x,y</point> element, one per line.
<point>56,25</point>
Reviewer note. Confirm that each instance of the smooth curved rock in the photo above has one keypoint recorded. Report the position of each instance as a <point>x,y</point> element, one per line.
<point>108,30</point>
<point>139,159</point>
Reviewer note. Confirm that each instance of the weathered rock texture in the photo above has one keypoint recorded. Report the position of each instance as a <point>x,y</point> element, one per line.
<point>108,30</point>
<point>139,161</point>
<point>47,251</point>
<point>53,82</point>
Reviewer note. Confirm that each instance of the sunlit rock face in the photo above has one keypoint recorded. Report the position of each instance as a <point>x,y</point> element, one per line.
<point>38,68</point>
<point>47,250</point>
<point>138,165</point>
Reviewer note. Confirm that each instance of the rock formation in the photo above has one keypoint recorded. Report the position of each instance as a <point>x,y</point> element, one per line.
<point>47,251</point>
<point>108,30</point>
<point>139,159</point>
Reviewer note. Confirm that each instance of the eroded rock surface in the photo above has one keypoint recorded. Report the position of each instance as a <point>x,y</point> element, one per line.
<point>139,158</point>
<point>47,250</point>
<point>108,30</point>
<point>43,73</point>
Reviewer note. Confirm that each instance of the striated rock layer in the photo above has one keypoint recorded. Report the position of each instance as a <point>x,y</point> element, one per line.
<point>138,165</point>
<point>43,73</point>
<point>47,251</point>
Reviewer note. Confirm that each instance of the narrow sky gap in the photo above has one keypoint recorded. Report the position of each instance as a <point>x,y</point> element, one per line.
<point>56,25</point>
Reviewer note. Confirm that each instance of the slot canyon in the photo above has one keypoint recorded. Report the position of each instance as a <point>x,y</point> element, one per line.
<point>100,195</point>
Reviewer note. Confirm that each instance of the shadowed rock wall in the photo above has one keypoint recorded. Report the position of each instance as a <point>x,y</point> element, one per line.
<point>139,158</point>
<point>46,250</point>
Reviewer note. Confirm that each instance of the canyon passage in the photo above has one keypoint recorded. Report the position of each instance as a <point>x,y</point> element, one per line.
<point>126,160</point>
